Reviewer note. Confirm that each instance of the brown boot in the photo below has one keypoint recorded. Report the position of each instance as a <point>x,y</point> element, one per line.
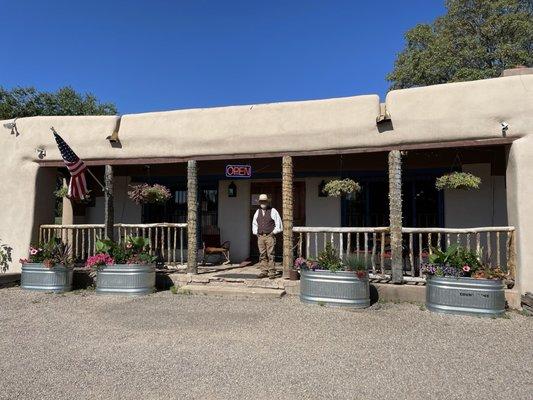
<point>262,274</point>
<point>272,274</point>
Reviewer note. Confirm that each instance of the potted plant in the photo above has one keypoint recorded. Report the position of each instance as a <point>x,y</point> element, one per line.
<point>48,267</point>
<point>294,272</point>
<point>339,187</point>
<point>125,268</point>
<point>458,180</point>
<point>459,283</point>
<point>335,282</point>
<point>149,194</point>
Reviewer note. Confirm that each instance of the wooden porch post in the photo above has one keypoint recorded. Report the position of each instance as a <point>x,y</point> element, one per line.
<point>192,217</point>
<point>395,214</point>
<point>287,193</point>
<point>109,213</point>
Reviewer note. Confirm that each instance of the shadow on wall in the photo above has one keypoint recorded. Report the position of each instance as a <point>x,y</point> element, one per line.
<point>45,183</point>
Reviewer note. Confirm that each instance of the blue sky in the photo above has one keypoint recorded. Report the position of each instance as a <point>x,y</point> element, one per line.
<point>161,55</point>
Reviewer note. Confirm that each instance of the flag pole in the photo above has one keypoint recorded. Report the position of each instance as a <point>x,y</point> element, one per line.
<point>96,179</point>
<point>88,170</point>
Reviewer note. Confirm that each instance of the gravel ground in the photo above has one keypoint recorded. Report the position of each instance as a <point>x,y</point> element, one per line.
<point>165,346</point>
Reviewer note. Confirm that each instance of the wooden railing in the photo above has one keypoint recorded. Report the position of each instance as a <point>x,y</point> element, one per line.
<point>166,240</point>
<point>495,245</point>
<point>370,243</point>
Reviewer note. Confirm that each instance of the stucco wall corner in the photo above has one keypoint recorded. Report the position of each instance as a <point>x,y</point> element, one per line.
<point>519,176</point>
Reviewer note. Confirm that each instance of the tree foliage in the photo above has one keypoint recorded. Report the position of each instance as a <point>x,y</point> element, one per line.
<point>475,39</point>
<point>29,102</point>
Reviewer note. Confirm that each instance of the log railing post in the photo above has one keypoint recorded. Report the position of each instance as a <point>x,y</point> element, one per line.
<point>395,214</point>
<point>287,194</point>
<point>192,217</point>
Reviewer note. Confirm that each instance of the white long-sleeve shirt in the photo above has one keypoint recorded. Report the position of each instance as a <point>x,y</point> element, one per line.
<point>274,214</point>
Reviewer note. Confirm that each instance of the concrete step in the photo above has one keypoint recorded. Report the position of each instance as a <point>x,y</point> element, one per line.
<point>232,291</point>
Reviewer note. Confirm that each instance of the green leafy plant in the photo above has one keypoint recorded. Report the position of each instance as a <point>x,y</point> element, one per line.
<point>5,256</point>
<point>328,259</point>
<point>134,250</point>
<point>53,252</point>
<point>338,187</point>
<point>458,261</point>
<point>61,192</point>
<point>458,180</point>
<point>357,263</point>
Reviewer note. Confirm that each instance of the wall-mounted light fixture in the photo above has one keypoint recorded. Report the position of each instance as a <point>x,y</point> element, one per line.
<point>321,187</point>
<point>41,152</point>
<point>505,128</point>
<point>232,190</point>
<point>13,127</point>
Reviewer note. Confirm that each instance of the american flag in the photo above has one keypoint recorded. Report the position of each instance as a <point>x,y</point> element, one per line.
<point>77,187</point>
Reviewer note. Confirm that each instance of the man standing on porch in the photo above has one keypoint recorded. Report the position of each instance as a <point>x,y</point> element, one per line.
<point>266,224</point>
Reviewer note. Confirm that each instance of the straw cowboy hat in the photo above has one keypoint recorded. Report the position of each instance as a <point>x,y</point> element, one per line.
<point>263,198</point>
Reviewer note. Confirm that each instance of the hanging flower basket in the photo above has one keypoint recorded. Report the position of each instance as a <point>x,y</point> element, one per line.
<point>149,194</point>
<point>458,180</point>
<point>338,187</point>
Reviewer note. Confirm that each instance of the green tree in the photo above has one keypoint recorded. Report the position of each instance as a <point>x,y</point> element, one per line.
<point>475,39</point>
<point>29,102</point>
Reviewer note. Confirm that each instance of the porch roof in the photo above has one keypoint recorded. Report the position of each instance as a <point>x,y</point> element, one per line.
<point>448,114</point>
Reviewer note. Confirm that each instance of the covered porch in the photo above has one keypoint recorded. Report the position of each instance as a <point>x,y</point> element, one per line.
<point>223,207</point>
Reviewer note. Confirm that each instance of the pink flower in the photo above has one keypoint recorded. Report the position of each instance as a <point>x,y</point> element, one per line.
<point>33,251</point>
<point>99,259</point>
<point>23,260</point>
<point>466,268</point>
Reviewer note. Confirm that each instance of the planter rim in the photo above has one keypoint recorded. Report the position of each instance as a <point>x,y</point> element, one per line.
<point>126,267</point>
<point>42,266</point>
<point>327,272</point>
<point>466,278</point>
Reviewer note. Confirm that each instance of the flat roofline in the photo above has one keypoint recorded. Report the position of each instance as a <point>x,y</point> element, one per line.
<point>175,160</point>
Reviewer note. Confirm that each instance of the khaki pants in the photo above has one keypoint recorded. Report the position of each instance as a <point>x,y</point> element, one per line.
<point>266,244</point>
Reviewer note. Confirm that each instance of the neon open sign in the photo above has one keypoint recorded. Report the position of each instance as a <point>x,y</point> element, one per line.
<point>238,171</point>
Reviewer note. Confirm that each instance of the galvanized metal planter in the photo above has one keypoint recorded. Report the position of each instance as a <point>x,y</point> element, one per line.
<point>340,289</point>
<point>483,297</point>
<point>38,277</point>
<point>131,279</point>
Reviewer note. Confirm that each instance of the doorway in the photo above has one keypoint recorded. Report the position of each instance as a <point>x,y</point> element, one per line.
<point>274,192</point>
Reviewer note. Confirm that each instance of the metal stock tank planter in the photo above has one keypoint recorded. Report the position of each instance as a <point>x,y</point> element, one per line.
<point>462,295</point>
<point>123,268</point>
<point>458,282</point>
<point>341,288</point>
<point>332,282</point>
<point>48,267</point>
<point>132,279</point>
<point>36,276</point>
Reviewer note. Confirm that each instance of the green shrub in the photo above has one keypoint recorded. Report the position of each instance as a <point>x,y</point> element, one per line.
<point>328,258</point>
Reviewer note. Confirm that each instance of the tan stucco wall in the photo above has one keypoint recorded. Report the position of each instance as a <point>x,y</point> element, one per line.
<point>520,207</point>
<point>469,110</point>
<point>483,207</point>
<point>126,211</point>
<point>320,211</point>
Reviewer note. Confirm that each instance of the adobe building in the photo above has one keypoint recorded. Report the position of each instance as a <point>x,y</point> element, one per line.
<point>484,127</point>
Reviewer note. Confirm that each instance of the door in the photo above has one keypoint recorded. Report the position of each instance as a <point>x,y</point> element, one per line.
<point>274,192</point>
